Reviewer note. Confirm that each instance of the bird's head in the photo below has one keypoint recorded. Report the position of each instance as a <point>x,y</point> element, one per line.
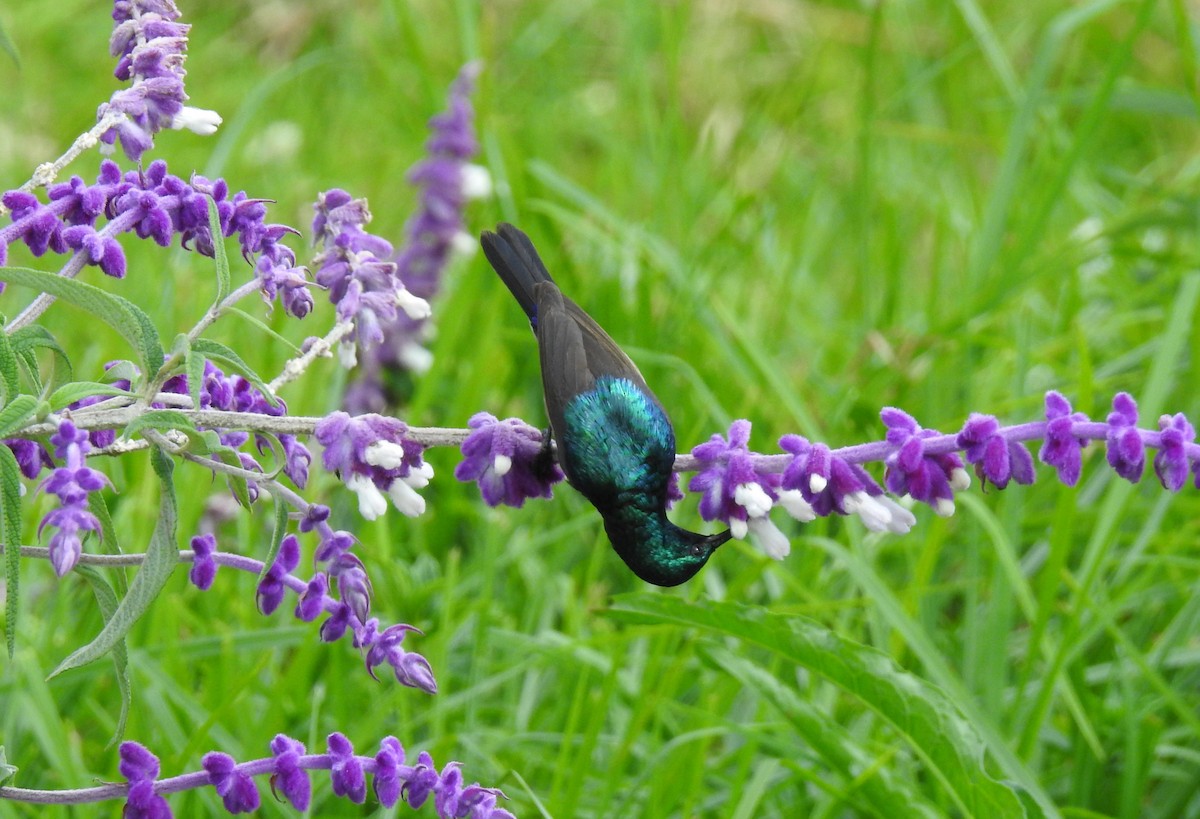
<point>664,555</point>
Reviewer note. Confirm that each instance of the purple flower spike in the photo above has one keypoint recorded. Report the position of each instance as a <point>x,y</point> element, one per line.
<point>1171,461</point>
<point>140,767</point>
<point>503,458</point>
<point>479,802</point>
<point>1061,449</point>
<point>312,601</point>
<point>288,778</point>
<point>335,625</point>
<point>736,492</point>
<point>448,791</point>
<point>422,782</point>
<point>996,459</point>
<point>31,456</point>
<point>236,789</point>
<point>204,568</point>
<point>271,589</point>
<point>1126,451</point>
<point>372,455</point>
<point>346,770</point>
<point>931,479</point>
<point>390,772</point>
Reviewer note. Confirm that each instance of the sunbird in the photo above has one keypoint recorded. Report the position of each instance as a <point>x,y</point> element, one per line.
<point>613,438</point>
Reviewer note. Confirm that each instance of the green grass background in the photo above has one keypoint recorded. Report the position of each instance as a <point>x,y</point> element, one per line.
<point>793,212</point>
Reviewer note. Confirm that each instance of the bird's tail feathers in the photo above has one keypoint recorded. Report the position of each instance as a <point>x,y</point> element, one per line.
<point>517,262</point>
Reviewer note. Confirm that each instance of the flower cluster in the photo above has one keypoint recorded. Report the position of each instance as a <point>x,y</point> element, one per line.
<point>352,264</point>
<point>926,477</point>
<point>149,43</point>
<point>157,205</point>
<point>508,459</point>
<point>436,232</point>
<point>394,779</point>
<point>71,483</point>
<point>374,458</point>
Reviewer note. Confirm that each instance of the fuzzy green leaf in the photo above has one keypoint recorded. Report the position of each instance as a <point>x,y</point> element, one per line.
<point>25,344</point>
<point>77,390</point>
<point>117,312</point>
<point>10,376</point>
<point>10,530</point>
<point>161,420</point>
<point>161,558</point>
<point>16,414</point>
<point>232,362</point>
<point>106,598</point>
<point>7,772</point>
<point>224,280</point>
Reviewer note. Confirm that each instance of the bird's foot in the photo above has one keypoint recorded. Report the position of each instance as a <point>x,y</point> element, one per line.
<point>543,463</point>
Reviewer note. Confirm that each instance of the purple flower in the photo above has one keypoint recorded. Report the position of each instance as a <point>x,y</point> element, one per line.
<point>31,456</point>
<point>335,624</point>
<point>271,588</point>
<point>287,776</point>
<point>312,601</point>
<point>72,483</point>
<point>996,459</point>
<point>817,482</point>
<point>236,789</point>
<point>354,587</point>
<point>1061,449</point>
<point>422,781</point>
<point>504,458</point>
<point>411,668</point>
<point>1171,461</point>
<point>390,771</point>
<point>140,767</point>
<point>931,479</point>
<point>372,455</point>
<point>736,492</point>
<point>1126,451</point>
<point>204,568</point>
<point>346,770</point>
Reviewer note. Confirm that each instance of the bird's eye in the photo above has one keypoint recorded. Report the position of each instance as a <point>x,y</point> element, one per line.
<point>697,550</point>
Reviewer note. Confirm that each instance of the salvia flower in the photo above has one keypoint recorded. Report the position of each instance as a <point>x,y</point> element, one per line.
<point>271,588</point>
<point>1126,452</point>
<point>737,492</point>
<point>72,483</point>
<point>150,44</point>
<point>996,458</point>
<point>374,458</point>
<point>31,456</point>
<point>346,772</point>
<point>1171,462</point>
<point>816,482</point>
<point>1062,449</point>
<point>506,458</point>
<point>287,777</point>
<point>411,669</point>
<point>204,568</point>
<point>140,767</point>
<point>235,787</point>
<point>930,479</point>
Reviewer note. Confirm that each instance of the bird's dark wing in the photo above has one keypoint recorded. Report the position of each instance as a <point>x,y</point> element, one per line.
<point>604,357</point>
<point>563,352</point>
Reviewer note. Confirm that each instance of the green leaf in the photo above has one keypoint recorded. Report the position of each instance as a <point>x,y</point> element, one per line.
<point>10,377</point>
<point>117,312</point>
<point>224,280</point>
<point>109,542</point>
<point>7,772</point>
<point>277,534</point>
<point>10,530</point>
<point>25,344</point>
<point>18,411</point>
<point>231,361</point>
<point>77,390</point>
<point>161,558</point>
<point>922,713</point>
<point>106,598</point>
<point>162,420</point>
